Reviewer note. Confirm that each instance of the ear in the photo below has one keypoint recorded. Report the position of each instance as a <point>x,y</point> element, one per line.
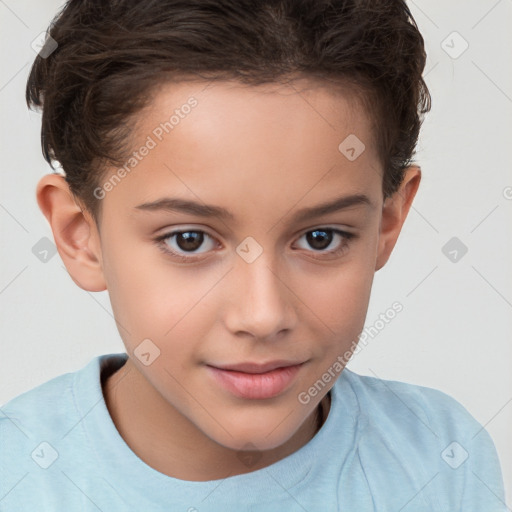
<point>74,231</point>
<point>394,213</point>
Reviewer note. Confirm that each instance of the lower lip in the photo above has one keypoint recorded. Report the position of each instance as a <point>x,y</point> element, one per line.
<point>256,386</point>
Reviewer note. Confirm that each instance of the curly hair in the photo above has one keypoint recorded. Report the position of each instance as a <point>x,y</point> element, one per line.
<point>112,55</point>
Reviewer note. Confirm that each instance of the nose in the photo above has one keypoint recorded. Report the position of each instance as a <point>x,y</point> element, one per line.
<point>261,303</point>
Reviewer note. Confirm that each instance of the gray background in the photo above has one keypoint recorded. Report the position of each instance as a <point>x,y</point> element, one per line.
<point>454,331</point>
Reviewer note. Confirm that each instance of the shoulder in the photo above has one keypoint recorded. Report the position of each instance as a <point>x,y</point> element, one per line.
<point>30,425</point>
<point>43,426</point>
<point>396,400</point>
<point>420,434</point>
<point>54,404</point>
<point>41,405</point>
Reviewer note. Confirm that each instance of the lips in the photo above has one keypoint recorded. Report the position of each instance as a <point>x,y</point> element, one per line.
<point>257,367</point>
<point>255,381</point>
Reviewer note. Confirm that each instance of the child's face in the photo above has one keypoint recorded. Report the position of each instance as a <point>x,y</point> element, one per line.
<point>263,154</point>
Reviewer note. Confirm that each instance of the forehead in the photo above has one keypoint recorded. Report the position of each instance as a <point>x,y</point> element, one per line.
<point>223,142</point>
<point>310,107</point>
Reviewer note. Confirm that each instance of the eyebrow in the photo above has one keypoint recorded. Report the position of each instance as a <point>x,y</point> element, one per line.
<point>174,204</point>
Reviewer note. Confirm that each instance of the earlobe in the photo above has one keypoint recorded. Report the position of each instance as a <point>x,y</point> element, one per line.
<point>74,232</point>
<point>394,213</point>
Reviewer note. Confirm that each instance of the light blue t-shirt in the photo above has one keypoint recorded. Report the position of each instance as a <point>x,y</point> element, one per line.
<point>385,446</point>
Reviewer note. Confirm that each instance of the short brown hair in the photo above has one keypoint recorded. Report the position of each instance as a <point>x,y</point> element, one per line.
<point>111,56</point>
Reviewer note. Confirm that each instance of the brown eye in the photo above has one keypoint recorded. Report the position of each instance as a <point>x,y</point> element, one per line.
<point>321,239</point>
<point>189,240</point>
<point>184,244</point>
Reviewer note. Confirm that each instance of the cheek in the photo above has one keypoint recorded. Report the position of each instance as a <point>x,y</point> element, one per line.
<point>151,299</point>
<point>338,297</point>
<point>335,307</point>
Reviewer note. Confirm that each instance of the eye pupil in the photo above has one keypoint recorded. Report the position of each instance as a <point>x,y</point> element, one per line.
<point>189,240</point>
<point>319,235</point>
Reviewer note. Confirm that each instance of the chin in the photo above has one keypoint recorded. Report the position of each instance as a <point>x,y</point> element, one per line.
<point>255,435</point>
<point>253,443</point>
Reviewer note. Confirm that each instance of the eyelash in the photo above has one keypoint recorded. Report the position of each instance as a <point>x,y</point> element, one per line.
<point>160,241</point>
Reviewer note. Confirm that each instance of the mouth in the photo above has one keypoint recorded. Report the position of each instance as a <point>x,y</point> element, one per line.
<point>256,381</point>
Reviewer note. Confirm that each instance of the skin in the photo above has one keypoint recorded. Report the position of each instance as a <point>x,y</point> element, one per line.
<point>262,153</point>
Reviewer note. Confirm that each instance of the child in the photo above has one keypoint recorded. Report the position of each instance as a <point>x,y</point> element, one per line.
<point>275,139</point>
